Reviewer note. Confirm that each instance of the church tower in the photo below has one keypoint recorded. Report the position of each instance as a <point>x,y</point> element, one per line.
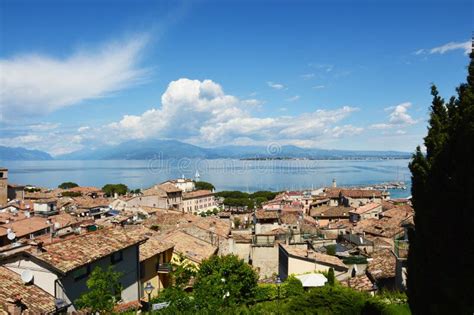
<point>3,186</point>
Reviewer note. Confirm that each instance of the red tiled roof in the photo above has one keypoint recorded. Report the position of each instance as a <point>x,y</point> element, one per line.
<point>383,264</point>
<point>366,208</point>
<point>86,248</point>
<point>361,193</point>
<point>12,288</point>
<point>320,258</point>
<point>197,194</point>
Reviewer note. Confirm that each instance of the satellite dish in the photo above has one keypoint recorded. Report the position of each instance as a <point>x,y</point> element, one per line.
<point>57,225</point>
<point>27,276</point>
<point>9,230</point>
<point>11,236</point>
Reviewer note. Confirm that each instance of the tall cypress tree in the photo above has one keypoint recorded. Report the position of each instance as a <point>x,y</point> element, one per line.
<point>441,256</point>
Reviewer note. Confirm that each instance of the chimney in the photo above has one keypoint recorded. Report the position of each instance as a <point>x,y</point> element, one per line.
<point>14,305</point>
<point>334,184</point>
<point>38,245</point>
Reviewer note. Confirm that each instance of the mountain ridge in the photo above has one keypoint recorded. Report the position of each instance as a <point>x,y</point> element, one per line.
<point>168,149</point>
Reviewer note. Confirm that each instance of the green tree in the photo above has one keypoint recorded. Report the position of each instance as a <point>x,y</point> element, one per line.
<point>68,185</point>
<point>292,287</point>
<point>224,281</point>
<point>331,277</point>
<point>104,291</point>
<point>204,185</point>
<point>111,189</point>
<point>331,249</point>
<point>442,190</point>
<point>71,194</point>
<point>183,271</point>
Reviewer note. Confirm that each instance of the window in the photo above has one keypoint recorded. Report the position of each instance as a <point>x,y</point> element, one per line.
<point>81,273</point>
<point>117,257</point>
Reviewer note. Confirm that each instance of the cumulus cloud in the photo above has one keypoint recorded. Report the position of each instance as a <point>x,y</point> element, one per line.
<point>276,86</point>
<point>307,76</point>
<point>398,118</point>
<point>38,84</point>
<point>465,46</point>
<point>293,98</point>
<point>200,112</point>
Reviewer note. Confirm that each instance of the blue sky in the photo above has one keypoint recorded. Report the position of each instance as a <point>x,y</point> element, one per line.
<point>329,74</point>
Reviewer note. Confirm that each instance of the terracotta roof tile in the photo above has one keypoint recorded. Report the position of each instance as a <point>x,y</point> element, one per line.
<point>266,215</point>
<point>192,247</point>
<point>197,194</point>
<point>359,283</point>
<point>367,207</point>
<point>324,259</point>
<point>330,211</point>
<point>361,193</point>
<point>153,246</point>
<point>383,264</point>
<point>12,287</point>
<point>83,249</point>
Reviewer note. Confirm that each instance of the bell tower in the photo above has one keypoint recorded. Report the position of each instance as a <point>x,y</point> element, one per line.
<point>3,186</point>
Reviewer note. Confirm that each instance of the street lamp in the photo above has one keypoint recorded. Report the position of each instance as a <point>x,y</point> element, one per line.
<point>148,289</point>
<point>278,283</point>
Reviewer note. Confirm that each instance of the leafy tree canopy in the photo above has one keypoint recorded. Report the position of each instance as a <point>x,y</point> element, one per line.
<point>104,290</point>
<point>442,190</point>
<point>68,185</point>
<point>204,185</point>
<point>224,281</point>
<point>112,189</point>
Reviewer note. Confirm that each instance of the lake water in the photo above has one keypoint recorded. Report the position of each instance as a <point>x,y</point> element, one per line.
<point>225,174</point>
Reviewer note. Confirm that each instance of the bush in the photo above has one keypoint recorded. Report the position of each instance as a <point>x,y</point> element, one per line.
<point>68,185</point>
<point>179,300</point>
<point>71,194</point>
<point>204,185</point>
<point>292,287</point>
<point>224,281</point>
<point>354,260</point>
<point>327,300</point>
<point>331,277</point>
<point>266,292</point>
<point>331,249</point>
<point>111,189</point>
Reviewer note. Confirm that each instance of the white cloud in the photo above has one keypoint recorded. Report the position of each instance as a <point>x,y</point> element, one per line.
<point>83,128</point>
<point>398,118</point>
<point>200,112</point>
<point>307,76</point>
<point>466,46</point>
<point>322,67</point>
<point>293,98</point>
<point>419,52</point>
<point>34,84</point>
<point>276,86</point>
<point>317,87</point>
<point>345,130</point>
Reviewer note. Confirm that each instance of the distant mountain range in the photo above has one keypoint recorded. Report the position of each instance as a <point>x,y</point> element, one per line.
<point>22,154</point>
<point>172,149</point>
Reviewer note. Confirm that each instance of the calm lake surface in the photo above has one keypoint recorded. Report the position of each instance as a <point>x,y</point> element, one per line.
<point>225,174</point>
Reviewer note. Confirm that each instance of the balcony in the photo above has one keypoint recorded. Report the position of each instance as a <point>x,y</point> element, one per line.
<point>163,268</point>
